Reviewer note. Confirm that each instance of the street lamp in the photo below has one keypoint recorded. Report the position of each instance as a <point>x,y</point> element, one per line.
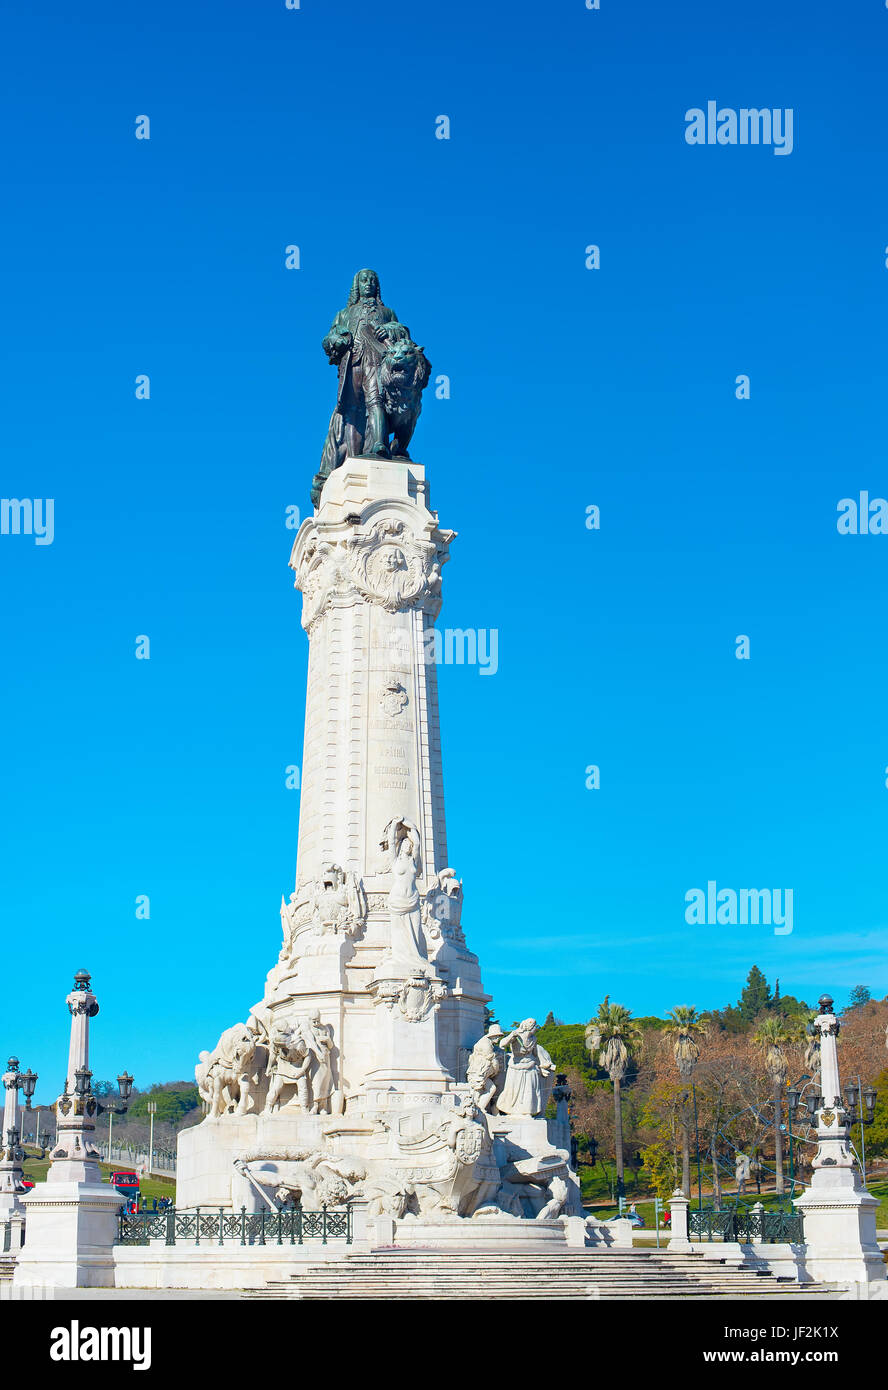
<point>125,1090</point>
<point>813,1103</point>
<point>11,1153</point>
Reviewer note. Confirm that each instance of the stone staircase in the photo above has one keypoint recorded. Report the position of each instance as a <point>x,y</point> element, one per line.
<point>384,1275</point>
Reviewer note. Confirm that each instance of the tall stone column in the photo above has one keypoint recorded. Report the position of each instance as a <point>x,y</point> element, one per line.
<point>368,564</point>
<point>840,1215</point>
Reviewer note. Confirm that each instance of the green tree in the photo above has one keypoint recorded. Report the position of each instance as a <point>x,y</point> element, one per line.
<point>171,1105</point>
<point>685,1028</point>
<point>859,995</point>
<point>658,1163</point>
<point>565,1044</point>
<point>756,995</point>
<point>877,1134</point>
<point>772,1037</point>
<point>614,1035</point>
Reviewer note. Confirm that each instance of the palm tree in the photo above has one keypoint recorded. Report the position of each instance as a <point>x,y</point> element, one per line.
<point>771,1038</point>
<point>614,1035</point>
<point>685,1027</point>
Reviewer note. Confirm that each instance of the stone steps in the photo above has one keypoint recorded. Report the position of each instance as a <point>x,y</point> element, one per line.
<point>421,1275</point>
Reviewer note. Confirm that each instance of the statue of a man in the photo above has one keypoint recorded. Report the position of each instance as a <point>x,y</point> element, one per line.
<point>318,1038</point>
<point>485,1068</point>
<point>355,344</point>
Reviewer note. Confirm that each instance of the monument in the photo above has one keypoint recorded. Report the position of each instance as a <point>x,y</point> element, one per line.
<point>840,1215</point>
<point>367,1071</point>
<point>71,1218</point>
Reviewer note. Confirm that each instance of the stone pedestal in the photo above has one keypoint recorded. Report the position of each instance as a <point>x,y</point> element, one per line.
<point>71,1227</point>
<point>679,1242</point>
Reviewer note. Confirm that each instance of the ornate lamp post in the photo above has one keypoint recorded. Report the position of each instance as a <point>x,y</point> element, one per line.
<point>125,1090</point>
<point>860,1114</point>
<point>840,1215</point>
<point>72,1217</point>
<point>11,1152</point>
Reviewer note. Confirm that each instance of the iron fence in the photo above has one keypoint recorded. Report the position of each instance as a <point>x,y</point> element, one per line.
<point>221,1227</point>
<point>746,1226</point>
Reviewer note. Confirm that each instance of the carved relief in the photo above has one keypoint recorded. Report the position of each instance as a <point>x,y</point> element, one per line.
<point>419,995</point>
<point>391,568</point>
<point>387,565</point>
<point>228,1077</point>
<point>319,913</point>
<point>300,1066</point>
<point>312,1178</point>
<point>393,697</point>
<point>442,907</point>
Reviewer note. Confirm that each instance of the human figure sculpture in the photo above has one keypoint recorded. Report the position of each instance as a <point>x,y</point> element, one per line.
<point>485,1068</point>
<point>291,1060</point>
<point>381,375</point>
<point>401,844</point>
<point>301,1061</point>
<point>318,1038</point>
<point>529,1067</point>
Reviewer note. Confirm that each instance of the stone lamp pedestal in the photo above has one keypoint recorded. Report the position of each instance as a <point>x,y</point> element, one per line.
<point>840,1215</point>
<point>72,1218</point>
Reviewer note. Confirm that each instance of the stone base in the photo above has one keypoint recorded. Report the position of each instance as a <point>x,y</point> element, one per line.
<point>158,1266</point>
<point>69,1236</point>
<point>205,1173</point>
<point>483,1233</point>
<point>840,1230</point>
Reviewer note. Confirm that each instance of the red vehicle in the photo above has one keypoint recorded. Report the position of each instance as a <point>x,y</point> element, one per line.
<point>127,1184</point>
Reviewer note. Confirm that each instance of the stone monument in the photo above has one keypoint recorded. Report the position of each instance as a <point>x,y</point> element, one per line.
<point>367,1071</point>
<point>840,1215</point>
<point>71,1218</point>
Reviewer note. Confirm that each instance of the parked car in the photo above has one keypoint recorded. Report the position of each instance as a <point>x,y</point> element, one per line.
<point>633,1218</point>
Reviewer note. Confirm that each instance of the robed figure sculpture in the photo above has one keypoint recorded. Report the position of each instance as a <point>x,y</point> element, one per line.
<point>382,374</point>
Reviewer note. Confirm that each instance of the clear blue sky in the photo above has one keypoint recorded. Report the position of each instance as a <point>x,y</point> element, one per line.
<point>570,387</point>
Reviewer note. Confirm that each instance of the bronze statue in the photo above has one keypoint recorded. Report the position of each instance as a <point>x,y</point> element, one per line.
<point>382,373</point>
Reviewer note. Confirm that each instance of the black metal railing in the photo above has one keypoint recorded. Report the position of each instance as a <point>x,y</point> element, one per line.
<point>203,1226</point>
<point>747,1226</point>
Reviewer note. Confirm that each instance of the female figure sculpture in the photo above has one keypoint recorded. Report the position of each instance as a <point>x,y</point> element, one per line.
<point>401,842</point>
<point>525,1091</point>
